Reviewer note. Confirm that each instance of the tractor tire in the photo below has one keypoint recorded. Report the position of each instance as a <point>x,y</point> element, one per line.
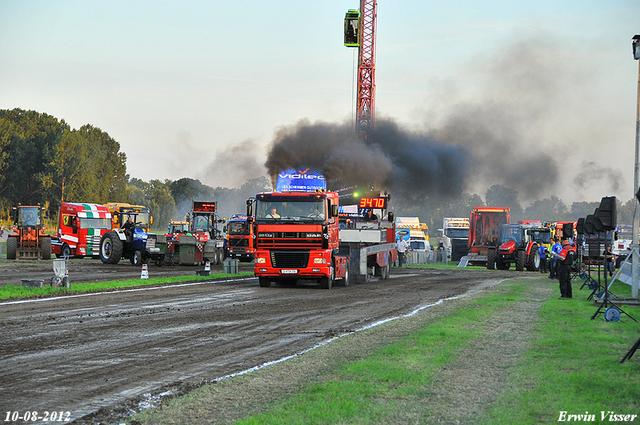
<point>533,260</point>
<point>110,248</point>
<point>136,258</point>
<point>12,248</point>
<point>491,258</point>
<point>45,246</point>
<point>521,260</point>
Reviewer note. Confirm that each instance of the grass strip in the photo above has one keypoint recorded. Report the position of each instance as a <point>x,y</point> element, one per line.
<point>389,385</point>
<point>574,367</point>
<point>569,363</point>
<point>11,291</point>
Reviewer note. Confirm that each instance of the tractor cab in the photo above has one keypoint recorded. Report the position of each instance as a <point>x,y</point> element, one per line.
<point>29,216</point>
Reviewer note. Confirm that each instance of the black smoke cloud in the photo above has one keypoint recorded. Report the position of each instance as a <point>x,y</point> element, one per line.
<point>590,172</point>
<point>390,158</point>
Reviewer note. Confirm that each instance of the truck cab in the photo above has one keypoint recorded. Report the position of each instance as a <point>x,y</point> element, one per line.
<point>296,236</point>
<point>240,238</point>
<point>80,228</point>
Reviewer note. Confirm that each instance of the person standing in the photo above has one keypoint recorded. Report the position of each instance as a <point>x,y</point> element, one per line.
<point>553,264</point>
<point>609,259</point>
<point>565,260</point>
<point>401,246</point>
<point>543,258</point>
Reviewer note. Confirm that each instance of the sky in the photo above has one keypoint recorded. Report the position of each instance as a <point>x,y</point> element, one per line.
<point>200,89</point>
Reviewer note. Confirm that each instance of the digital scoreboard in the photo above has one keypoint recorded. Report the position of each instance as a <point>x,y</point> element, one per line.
<point>378,203</point>
<point>200,206</point>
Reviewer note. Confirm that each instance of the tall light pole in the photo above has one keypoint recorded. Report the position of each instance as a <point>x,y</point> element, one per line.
<point>635,263</point>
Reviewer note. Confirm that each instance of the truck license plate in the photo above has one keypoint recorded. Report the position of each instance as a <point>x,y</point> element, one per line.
<point>288,271</point>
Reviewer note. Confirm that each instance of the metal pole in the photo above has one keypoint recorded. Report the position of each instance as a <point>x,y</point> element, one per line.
<point>635,263</point>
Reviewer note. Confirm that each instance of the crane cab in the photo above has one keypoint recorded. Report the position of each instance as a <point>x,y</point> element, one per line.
<point>351,22</point>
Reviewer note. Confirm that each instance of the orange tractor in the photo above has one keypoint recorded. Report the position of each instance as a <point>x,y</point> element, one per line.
<point>28,239</point>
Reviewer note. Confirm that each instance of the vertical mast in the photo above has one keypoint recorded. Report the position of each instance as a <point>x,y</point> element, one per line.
<point>366,68</point>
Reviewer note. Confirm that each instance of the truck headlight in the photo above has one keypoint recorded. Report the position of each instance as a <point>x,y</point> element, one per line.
<point>261,260</point>
<point>319,261</point>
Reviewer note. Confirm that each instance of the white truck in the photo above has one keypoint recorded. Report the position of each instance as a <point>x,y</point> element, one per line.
<point>455,237</point>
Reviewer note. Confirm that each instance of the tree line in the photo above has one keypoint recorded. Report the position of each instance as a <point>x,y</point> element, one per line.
<point>43,160</point>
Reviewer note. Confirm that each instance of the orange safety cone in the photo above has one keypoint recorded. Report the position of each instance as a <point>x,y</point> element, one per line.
<point>145,272</point>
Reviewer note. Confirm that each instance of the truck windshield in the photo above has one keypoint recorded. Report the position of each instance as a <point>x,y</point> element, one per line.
<point>457,232</point>
<point>304,211</point>
<point>238,228</point>
<point>95,223</point>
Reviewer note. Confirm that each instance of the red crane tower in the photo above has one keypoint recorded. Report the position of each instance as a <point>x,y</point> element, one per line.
<point>360,31</point>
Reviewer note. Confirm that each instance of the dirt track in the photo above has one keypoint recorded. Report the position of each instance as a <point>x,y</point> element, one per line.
<point>84,353</point>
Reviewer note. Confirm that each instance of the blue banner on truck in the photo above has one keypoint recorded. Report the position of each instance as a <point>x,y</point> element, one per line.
<point>300,181</point>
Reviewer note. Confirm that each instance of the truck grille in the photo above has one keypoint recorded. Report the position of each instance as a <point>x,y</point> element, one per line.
<point>289,259</point>
<point>93,244</point>
<point>238,242</point>
<point>290,240</point>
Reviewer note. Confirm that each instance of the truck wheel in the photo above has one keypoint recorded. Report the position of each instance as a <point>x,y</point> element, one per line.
<point>521,259</point>
<point>136,258</point>
<point>326,282</point>
<point>347,276</point>
<point>265,282</point>
<point>65,252</point>
<point>12,248</point>
<point>386,272</point>
<point>45,246</point>
<point>533,261</point>
<point>491,258</point>
<point>110,248</point>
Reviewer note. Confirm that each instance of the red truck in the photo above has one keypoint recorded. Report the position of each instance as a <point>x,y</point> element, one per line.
<point>299,237</point>
<point>80,228</point>
<point>485,224</point>
<point>240,239</point>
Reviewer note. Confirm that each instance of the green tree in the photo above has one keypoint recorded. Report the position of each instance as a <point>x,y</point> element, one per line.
<point>548,209</point>
<point>27,147</point>
<point>162,205</point>
<point>582,209</point>
<point>502,196</point>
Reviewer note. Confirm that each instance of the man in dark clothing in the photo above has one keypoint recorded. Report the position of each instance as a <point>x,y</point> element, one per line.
<point>565,261</point>
<point>128,227</point>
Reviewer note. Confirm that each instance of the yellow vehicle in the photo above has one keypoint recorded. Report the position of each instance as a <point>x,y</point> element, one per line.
<point>120,213</point>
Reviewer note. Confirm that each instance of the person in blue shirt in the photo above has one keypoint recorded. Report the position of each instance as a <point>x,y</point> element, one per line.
<point>553,266</point>
<point>543,258</point>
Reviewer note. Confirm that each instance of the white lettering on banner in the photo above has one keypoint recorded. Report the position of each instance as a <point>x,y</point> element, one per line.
<point>300,176</point>
<point>609,416</point>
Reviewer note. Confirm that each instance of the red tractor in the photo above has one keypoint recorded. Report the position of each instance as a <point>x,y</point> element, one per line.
<point>29,240</point>
<point>519,244</point>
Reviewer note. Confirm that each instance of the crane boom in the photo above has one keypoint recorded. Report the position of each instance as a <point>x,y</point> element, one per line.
<point>366,67</point>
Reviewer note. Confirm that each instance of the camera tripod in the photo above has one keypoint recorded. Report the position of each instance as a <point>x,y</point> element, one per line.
<point>630,353</point>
